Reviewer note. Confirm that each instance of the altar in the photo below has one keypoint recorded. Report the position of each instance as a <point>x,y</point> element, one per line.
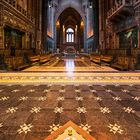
<point>70,52</point>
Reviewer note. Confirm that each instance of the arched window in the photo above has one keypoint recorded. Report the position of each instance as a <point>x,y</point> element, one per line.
<point>70,35</point>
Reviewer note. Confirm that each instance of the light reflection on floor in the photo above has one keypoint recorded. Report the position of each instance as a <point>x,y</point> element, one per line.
<point>70,67</point>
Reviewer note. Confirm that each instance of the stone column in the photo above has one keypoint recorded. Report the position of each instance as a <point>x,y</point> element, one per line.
<point>139,33</point>
<point>44,23</point>
<point>96,23</point>
<point>64,32</point>
<point>1,28</point>
<point>1,37</point>
<point>76,36</point>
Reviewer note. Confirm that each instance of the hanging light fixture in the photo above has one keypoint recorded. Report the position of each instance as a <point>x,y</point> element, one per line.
<point>50,3</point>
<point>90,5</point>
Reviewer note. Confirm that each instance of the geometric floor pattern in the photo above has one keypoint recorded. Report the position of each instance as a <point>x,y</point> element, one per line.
<point>33,112</point>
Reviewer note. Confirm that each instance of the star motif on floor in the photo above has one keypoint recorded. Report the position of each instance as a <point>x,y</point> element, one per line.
<point>117,85</point>
<point>93,91</point>
<point>35,110</point>
<point>86,127</point>
<point>136,98</point>
<point>128,110</point>
<point>81,110</point>
<point>116,98</point>
<point>37,85</point>
<point>1,125</point>
<point>77,90</point>
<point>105,110</point>
<point>62,90</point>
<point>54,128</point>
<point>23,85</point>
<point>24,128</point>
<point>125,91</point>
<point>46,91</point>
<point>103,85</point>
<point>131,85</point>
<point>4,98</point>
<point>115,128</point>
<point>60,99</point>
<point>1,90</point>
<point>49,85</point>
<point>62,85</point>
<point>43,98</point>
<point>12,110</point>
<point>76,85</point>
<point>31,90</point>
<point>23,98</point>
<point>15,91</point>
<point>90,85</point>
<point>59,110</point>
<point>109,90</point>
<point>79,99</point>
<point>98,98</point>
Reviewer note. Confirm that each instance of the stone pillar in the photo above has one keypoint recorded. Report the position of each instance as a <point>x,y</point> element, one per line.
<point>64,32</point>
<point>139,34</point>
<point>76,34</point>
<point>44,23</point>
<point>1,28</point>
<point>1,37</point>
<point>138,23</point>
<point>96,23</point>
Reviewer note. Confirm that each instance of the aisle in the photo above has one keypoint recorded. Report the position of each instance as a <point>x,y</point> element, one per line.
<point>77,65</point>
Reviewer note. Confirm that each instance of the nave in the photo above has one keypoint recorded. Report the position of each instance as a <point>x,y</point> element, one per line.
<point>69,69</point>
<point>67,64</point>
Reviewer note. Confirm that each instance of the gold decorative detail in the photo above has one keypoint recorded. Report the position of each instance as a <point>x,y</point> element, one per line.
<point>70,132</point>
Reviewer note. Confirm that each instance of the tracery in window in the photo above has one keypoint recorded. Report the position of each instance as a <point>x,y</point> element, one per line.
<point>70,35</point>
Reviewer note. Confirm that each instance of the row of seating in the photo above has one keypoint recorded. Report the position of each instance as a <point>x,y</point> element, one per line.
<point>33,60</point>
<point>120,63</point>
<point>100,59</point>
<point>22,62</point>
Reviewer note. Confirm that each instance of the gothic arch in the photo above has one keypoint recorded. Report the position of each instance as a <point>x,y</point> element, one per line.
<point>60,11</point>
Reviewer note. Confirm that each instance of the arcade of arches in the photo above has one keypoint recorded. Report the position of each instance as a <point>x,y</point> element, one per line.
<point>69,69</point>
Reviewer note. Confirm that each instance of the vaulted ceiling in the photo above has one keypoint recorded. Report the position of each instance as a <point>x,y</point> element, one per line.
<point>62,5</point>
<point>70,17</point>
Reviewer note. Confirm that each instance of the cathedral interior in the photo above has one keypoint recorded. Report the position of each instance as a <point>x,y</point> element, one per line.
<point>69,69</point>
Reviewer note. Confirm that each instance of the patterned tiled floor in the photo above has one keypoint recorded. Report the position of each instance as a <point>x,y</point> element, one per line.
<point>75,65</point>
<point>32,112</point>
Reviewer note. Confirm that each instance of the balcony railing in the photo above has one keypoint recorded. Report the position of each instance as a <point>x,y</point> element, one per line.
<point>118,6</point>
<point>16,6</point>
